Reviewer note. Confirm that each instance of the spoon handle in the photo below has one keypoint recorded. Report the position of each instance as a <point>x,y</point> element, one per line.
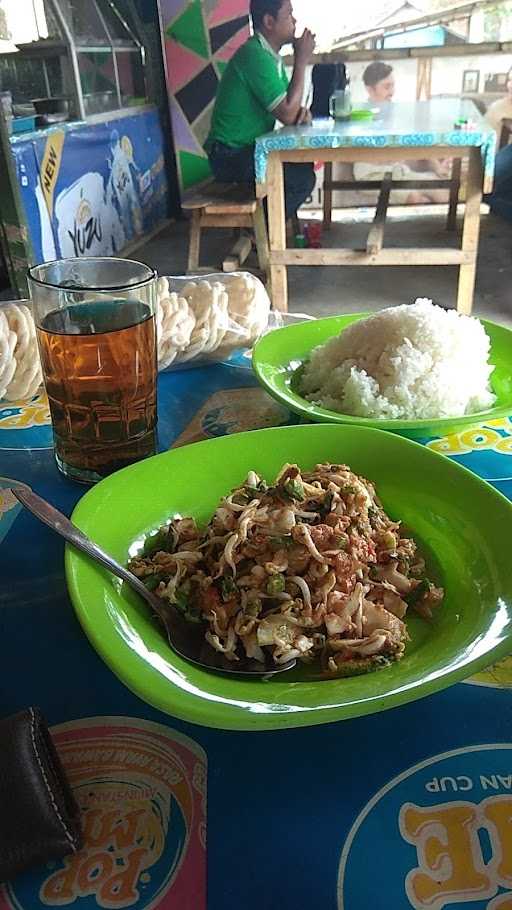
<point>63,526</point>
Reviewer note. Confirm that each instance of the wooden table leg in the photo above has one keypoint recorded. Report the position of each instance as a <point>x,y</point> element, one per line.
<point>471,231</point>
<point>194,241</point>
<point>451,223</point>
<point>260,233</point>
<point>375,240</point>
<point>277,231</point>
<point>327,196</point>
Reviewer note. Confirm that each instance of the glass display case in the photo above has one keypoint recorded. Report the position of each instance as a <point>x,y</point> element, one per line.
<point>82,50</point>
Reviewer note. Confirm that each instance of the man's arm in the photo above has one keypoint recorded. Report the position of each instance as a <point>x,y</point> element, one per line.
<point>290,108</point>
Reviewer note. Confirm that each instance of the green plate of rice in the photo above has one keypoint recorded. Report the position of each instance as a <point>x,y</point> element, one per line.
<point>284,363</point>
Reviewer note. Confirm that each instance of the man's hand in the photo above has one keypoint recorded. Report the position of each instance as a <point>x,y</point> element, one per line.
<point>304,117</point>
<point>304,47</point>
<point>291,111</point>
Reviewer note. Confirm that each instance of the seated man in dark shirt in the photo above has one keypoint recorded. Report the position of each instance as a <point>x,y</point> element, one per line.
<point>254,92</point>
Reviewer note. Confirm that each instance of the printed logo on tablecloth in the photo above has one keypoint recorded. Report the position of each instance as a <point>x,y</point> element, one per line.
<point>26,413</point>
<point>141,788</point>
<point>233,411</point>
<point>9,506</point>
<point>481,448</point>
<point>26,423</point>
<point>437,837</point>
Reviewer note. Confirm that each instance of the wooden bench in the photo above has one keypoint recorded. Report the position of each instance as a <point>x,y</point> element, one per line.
<point>227,206</point>
<point>452,183</point>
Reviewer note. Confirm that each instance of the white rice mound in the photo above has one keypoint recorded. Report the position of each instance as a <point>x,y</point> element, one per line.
<point>409,362</point>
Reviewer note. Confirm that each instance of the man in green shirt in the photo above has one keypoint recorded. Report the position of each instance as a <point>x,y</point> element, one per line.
<point>254,92</point>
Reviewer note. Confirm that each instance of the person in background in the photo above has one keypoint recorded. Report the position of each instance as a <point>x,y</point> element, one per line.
<point>380,86</point>
<point>254,92</point>
<point>379,82</point>
<point>326,78</point>
<point>502,109</point>
<point>500,200</point>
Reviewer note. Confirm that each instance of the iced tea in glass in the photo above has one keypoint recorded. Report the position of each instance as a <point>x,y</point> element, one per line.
<point>95,321</point>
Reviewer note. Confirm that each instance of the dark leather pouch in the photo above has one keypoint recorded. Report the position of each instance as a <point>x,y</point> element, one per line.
<point>39,818</point>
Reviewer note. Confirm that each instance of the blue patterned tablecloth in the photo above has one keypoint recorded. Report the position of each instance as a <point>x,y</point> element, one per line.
<point>396,124</point>
<point>406,809</point>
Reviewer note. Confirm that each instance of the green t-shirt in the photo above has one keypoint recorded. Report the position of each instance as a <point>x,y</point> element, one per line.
<point>253,84</point>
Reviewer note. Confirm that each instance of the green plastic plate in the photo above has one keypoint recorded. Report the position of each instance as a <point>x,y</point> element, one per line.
<point>462,524</point>
<point>279,355</point>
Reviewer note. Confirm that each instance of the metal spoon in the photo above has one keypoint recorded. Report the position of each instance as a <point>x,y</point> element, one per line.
<point>185,638</point>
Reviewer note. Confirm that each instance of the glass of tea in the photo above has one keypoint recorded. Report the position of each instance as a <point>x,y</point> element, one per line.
<point>95,321</point>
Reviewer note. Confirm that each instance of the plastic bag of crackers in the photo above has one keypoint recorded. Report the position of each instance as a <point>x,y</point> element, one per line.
<point>199,320</point>
<point>208,318</point>
<point>20,368</point>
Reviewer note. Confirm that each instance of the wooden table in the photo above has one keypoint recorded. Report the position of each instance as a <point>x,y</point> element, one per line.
<point>399,132</point>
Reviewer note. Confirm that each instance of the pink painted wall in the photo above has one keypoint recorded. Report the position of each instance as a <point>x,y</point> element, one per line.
<point>200,37</point>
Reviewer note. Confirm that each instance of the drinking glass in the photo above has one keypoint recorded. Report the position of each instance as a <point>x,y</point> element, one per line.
<point>95,321</point>
<point>340,104</point>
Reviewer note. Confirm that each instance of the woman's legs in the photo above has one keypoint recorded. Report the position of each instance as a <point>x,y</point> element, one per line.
<point>503,172</point>
<point>500,200</point>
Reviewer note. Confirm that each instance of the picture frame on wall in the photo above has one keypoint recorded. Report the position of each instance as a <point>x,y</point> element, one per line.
<point>470,81</point>
<point>496,82</point>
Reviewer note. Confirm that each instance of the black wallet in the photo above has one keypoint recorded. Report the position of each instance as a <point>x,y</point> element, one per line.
<point>39,818</point>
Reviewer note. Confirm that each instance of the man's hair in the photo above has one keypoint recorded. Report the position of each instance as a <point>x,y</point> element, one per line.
<point>262,8</point>
<point>376,72</point>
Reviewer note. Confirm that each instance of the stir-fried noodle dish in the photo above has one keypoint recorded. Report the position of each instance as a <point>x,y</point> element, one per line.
<point>310,567</point>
